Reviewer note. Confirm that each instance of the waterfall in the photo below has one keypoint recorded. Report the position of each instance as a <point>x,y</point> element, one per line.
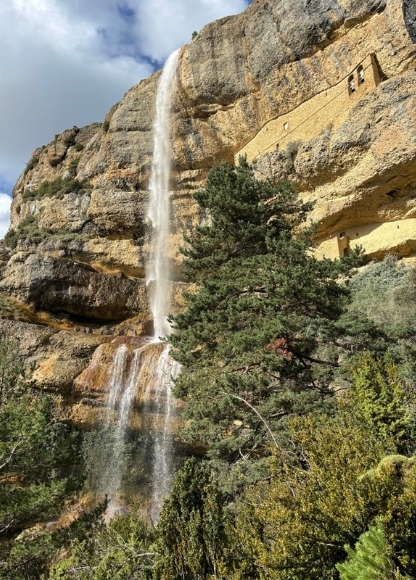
<point>158,405</point>
<point>158,398</point>
<point>157,271</point>
<point>125,377</point>
<point>154,375</point>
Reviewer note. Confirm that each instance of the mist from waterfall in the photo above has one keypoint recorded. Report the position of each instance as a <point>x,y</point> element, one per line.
<point>158,403</point>
<point>157,271</point>
<point>121,387</point>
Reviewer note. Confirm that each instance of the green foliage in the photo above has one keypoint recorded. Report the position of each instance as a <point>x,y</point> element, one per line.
<point>250,335</point>
<point>379,395</point>
<point>395,477</point>
<point>57,188</point>
<point>106,125</point>
<point>327,490</point>
<point>121,550</point>
<point>70,140</point>
<point>289,154</point>
<point>11,309</point>
<point>31,164</point>
<point>11,237</point>
<point>294,525</point>
<point>191,532</point>
<point>385,292</point>
<point>37,453</point>
<point>73,166</point>
<point>371,559</point>
<point>28,229</point>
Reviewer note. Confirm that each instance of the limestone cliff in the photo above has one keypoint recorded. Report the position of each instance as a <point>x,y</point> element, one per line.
<point>320,91</point>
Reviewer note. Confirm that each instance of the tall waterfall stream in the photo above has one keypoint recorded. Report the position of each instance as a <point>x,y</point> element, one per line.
<point>128,373</point>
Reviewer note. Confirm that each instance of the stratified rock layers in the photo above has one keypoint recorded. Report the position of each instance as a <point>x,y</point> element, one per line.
<point>320,91</point>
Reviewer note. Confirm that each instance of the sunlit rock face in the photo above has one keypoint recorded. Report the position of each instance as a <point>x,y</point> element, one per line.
<point>319,91</point>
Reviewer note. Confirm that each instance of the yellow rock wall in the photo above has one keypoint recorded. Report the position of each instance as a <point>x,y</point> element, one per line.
<point>329,108</point>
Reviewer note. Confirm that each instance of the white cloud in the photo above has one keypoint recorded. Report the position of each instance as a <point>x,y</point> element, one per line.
<point>66,62</point>
<point>5,202</point>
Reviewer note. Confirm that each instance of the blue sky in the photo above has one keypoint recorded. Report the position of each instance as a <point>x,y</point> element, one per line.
<point>66,62</point>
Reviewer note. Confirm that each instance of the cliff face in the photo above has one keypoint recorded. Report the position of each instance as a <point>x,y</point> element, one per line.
<point>320,91</point>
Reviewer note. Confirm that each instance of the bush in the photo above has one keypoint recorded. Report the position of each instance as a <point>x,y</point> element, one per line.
<point>31,164</point>
<point>58,187</point>
<point>70,141</point>
<point>385,293</point>
<point>73,166</point>
<point>11,238</point>
<point>290,153</point>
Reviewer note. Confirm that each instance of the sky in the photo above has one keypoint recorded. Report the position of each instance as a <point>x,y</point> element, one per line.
<point>66,62</point>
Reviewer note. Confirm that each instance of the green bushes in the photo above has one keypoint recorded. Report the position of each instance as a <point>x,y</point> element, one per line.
<point>30,231</point>
<point>58,187</point>
<point>31,164</point>
<point>27,229</point>
<point>39,465</point>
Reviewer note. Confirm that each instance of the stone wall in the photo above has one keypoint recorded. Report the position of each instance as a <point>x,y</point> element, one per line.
<point>376,240</point>
<point>275,74</point>
<point>329,108</point>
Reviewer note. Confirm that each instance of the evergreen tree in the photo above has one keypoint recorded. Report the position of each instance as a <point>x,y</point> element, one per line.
<point>370,560</point>
<point>378,394</point>
<point>251,339</point>
<point>191,530</point>
<point>37,465</point>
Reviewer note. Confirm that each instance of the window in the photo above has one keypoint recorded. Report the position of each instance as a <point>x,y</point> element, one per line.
<point>351,85</point>
<point>360,74</point>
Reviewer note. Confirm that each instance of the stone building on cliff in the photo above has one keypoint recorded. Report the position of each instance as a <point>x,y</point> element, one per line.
<point>322,92</point>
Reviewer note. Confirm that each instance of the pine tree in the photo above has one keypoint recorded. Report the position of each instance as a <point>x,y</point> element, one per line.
<point>192,541</point>
<point>263,307</point>
<point>378,394</point>
<point>37,465</point>
<point>371,559</point>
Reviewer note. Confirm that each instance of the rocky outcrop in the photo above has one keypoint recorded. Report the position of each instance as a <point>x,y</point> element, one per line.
<point>319,91</point>
<point>57,356</point>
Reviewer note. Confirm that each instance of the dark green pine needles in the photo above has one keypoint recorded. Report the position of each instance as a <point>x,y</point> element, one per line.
<point>258,337</point>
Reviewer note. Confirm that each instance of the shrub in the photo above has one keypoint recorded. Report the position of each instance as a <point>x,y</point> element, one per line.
<point>70,141</point>
<point>290,153</point>
<point>73,166</point>
<point>31,164</point>
<point>58,187</point>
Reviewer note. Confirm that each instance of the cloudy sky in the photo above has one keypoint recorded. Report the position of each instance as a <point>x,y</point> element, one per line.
<point>66,62</point>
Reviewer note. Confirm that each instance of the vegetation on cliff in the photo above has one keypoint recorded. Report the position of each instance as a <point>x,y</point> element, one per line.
<point>39,465</point>
<point>298,378</point>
